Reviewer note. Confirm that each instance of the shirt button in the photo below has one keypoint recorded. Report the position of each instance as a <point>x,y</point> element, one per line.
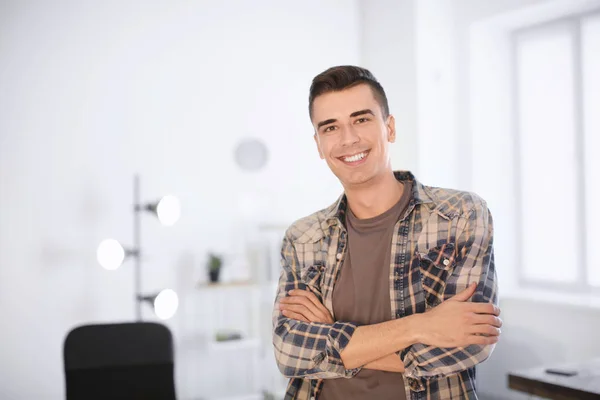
<point>446,261</point>
<point>339,256</point>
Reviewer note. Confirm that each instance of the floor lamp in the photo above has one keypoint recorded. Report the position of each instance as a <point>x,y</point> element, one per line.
<point>111,253</point>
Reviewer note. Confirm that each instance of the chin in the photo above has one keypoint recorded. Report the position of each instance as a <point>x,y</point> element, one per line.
<point>354,178</point>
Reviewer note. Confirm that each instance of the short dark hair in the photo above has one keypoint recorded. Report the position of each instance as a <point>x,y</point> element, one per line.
<point>343,77</point>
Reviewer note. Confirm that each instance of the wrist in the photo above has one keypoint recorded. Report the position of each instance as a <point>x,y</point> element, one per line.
<point>411,328</point>
<point>419,325</point>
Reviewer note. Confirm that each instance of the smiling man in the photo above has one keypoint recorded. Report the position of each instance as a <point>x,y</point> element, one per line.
<point>390,292</point>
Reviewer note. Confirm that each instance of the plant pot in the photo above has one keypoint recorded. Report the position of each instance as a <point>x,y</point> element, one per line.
<point>214,275</point>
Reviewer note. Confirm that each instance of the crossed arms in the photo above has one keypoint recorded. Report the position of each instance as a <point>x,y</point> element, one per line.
<point>451,337</point>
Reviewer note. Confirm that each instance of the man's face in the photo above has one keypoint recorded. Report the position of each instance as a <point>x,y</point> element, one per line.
<point>352,135</point>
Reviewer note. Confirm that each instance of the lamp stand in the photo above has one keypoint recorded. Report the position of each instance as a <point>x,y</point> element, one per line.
<point>137,279</point>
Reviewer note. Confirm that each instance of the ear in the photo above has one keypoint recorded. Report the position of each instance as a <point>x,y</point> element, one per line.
<point>316,137</point>
<point>391,128</point>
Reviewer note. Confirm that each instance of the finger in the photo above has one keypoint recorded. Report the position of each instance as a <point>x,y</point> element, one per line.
<point>487,319</point>
<point>300,300</point>
<point>321,313</point>
<point>465,294</point>
<point>482,340</point>
<point>307,294</point>
<point>485,330</point>
<point>485,308</point>
<point>293,315</point>
<point>297,300</point>
<point>297,310</point>
<point>310,296</point>
<point>300,309</point>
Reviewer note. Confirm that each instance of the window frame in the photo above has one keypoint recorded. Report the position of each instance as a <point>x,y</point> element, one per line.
<point>582,282</point>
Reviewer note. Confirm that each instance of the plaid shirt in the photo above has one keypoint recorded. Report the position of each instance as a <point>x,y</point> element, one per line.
<point>440,245</point>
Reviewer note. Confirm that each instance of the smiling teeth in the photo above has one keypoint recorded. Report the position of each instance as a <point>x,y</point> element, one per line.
<point>355,157</point>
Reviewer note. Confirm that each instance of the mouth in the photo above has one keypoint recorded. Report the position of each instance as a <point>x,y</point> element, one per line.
<point>355,159</point>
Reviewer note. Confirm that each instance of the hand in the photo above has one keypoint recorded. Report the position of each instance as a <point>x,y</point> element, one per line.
<point>458,323</point>
<point>303,305</point>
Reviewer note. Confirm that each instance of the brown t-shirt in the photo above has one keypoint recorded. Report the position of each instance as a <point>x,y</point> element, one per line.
<point>362,295</point>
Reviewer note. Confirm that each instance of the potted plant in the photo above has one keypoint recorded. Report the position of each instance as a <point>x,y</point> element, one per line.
<point>215,263</point>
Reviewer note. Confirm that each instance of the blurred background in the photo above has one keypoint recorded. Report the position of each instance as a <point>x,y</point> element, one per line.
<point>207,101</point>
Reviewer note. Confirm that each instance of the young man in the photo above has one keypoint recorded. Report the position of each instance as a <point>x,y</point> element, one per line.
<point>390,293</point>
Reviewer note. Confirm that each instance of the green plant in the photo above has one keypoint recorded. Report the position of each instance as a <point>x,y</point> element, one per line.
<point>268,395</point>
<point>214,262</point>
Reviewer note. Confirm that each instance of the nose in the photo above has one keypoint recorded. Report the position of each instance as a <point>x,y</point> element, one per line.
<point>349,136</point>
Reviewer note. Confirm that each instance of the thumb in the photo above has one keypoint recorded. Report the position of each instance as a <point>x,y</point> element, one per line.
<point>465,294</point>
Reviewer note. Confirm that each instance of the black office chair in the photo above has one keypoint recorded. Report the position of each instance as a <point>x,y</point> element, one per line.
<point>119,361</point>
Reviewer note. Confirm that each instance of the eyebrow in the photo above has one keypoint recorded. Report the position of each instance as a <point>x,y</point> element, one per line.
<point>354,114</point>
<point>362,112</point>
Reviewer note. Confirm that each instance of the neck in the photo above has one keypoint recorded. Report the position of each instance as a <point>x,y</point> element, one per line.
<point>375,197</point>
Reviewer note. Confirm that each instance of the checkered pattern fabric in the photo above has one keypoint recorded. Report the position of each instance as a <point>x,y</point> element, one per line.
<point>440,245</point>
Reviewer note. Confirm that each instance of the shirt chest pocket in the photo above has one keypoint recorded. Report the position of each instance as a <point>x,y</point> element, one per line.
<point>312,277</point>
<point>435,265</point>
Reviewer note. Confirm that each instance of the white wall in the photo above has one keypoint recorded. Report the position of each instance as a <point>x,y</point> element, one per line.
<point>439,149</point>
<point>93,92</point>
<point>388,50</point>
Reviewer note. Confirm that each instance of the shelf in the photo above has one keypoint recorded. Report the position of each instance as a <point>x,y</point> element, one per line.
<point>253,396</point>
<point>217,285</point>
<point>236,344</point>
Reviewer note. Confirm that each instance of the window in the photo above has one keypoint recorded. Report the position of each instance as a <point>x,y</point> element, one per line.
<point>557,109</point>
<point>590,44</point>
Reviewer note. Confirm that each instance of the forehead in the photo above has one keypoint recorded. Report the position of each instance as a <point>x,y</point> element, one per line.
<point>337,105</point>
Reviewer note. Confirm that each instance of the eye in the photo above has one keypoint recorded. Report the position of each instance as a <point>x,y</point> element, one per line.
<point>330,128</point>
<point>362,120</point>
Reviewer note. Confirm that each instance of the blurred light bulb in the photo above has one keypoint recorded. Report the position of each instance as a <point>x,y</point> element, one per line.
<point>168,210</point>
<point>110,254</point>
<point>166,304</point>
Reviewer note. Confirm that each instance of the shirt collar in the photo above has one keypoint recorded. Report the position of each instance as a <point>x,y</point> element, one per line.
<point>420,195</point>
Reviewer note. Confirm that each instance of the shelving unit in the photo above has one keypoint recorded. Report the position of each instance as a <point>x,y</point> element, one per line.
<point>232,345</point>
<point>239,369</point>
<point>218,285</point>
<point>255,396</point>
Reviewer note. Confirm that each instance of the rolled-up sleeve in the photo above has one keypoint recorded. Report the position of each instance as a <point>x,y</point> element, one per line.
<point>306,350</point>
<point>475,263</point>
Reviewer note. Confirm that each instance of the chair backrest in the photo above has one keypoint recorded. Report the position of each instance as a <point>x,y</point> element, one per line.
<point>119,361</point>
